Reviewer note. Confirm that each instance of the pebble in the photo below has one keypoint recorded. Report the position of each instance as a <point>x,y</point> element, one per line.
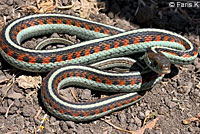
<point>141,115</point>
<point>70,124</point>
<point>9,2</point>
<point>28,111</point>
<point>17,102</point>
<point>197,63</point>
<point>55,35</point>
<point>170,103</point>
<point>122,119</point>
<point>63,126</point>
<point>86,94</point>
<point>138,122</point>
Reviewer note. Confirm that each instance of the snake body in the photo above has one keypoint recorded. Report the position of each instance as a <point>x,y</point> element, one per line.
<point>103,42</point>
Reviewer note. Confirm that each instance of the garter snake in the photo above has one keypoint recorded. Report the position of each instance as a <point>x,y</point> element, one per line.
<point>103,42</point>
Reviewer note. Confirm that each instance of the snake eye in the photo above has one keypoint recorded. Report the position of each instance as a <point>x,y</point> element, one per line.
<point>154,63</point>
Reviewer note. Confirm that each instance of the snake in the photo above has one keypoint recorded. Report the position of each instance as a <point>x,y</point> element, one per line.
<point>86,64</point>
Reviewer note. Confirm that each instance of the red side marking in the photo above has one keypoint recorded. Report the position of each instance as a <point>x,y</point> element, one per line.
<point>77,74</point>
<point>32,59</point>
<point>19,28</point>
<point>172,53</point>
<point>119,104</point>
<point>65,75</point>
<point>61,111</point>
<point>46,60</point>
<point>158,38</point>
<point>14,32</point>
<point>47,100</point>
<point>69,22</point>
<point>20,57</point>
<point>87,52</point>
<point>13,37</point>
<point>180,42</point>
<point>108,82</point>
<point>195,53</point>
<point>172,40</point>
<point>96,49</point>
<point>121,82</point>
<point>24,26</point>
<point>78,24</point>
<point>10,52</point>
<point>97,111</point>
<point>132,82</point>
<point>186,56</point>
<point>69,56</point>
<point>136,98</point>
<point>54,105</point>
<point>107,46</point>
<point>97,29</point>
<point>78,54</point>
<point>87,26</point>
<point>125,42</point>
<point>86,114</point>
<point>49,21</point>
<point>112,106</point>
<point>116,44</point>
<point>106,32</point>
<point>40,21</point>
<point>98,80</point>
<point>3,46</point>
<point>75,114</point>
<point>148,38</point>
<point>90,77</point>
<point>71,74</point>
<point>105,109</point>
<point>166,38</point>
<point>84,74</point>
<point>31,23</point>
<point>59,58</point>
<point>59,21</point>
<point>136,40</point>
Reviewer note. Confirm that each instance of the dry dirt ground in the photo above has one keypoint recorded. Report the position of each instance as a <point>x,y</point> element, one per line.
<point>170,107</point>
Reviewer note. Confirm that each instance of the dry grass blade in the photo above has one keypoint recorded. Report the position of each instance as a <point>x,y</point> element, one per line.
<point>192,119</point>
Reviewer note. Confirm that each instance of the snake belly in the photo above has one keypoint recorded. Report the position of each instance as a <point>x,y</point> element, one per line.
<point>103,42</point>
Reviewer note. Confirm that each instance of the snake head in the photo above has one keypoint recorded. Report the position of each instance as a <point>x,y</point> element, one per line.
<point>157,61</point>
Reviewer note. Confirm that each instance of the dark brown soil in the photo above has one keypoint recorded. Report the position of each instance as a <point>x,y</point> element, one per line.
<point>174,99</point>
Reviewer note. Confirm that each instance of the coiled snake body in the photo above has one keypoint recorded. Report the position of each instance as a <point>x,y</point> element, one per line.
<point>104,42</point>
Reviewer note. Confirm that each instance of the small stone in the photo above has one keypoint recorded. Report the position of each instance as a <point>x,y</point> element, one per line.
<point>170,103</point>
<point>138,122</point>
<point>16,102</point>
<point>3,109</point>
<point>70,124</point>
<point>111,15</point>
<point>141,115</point>
<point>64,2</point>
<point>9,2</point>
<point>86,94</point>
<point>29,44</point>
<point>63,126</point>
<point>55,35</point>
<point>28,111</point>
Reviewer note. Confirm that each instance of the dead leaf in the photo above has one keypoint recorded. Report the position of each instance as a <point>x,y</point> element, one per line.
<point>190,120</point>
<point>43,6</point>
<point>149,125</point>
<point>29,81</point>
